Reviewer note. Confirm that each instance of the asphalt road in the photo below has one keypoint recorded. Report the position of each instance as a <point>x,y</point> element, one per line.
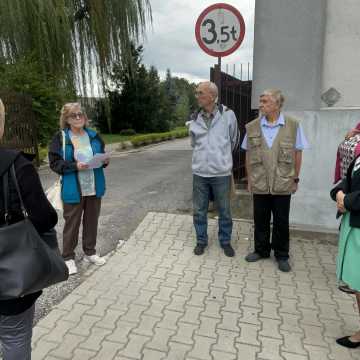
<point>155,178</point>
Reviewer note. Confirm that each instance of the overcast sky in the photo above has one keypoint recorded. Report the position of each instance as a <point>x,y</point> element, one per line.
<point>170,42</point>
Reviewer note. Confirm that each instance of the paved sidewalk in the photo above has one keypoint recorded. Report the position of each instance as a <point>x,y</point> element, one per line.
<point>155,300</point>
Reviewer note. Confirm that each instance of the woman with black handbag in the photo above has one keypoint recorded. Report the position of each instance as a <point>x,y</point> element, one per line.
<point>16,314</point>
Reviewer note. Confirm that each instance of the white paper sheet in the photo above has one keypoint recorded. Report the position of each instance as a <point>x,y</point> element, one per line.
<point>98,160</point>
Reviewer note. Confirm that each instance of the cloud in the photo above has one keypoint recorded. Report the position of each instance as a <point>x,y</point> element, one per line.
<point>171,41</point>
<point>190,77</point>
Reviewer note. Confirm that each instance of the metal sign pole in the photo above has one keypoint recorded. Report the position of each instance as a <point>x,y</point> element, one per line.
<point>219,79</point>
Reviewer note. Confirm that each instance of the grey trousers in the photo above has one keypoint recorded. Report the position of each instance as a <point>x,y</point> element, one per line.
<point>15,335</point>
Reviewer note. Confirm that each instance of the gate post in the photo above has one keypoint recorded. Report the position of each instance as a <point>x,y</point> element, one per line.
<point>20,124</point>
<point>217,78</point>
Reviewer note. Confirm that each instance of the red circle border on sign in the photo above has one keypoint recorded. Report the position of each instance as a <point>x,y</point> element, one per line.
<point>200,20</point>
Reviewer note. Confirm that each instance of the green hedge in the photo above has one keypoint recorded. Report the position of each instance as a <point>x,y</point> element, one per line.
<point>146,139</point>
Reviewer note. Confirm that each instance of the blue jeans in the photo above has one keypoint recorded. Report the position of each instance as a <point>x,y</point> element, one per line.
<point>220,187</point>
<point>15,335</point>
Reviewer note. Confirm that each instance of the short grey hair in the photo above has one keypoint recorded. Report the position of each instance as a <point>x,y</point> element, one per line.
<point>276,94</point>
<point>2,114</point>
<point>213,89</point>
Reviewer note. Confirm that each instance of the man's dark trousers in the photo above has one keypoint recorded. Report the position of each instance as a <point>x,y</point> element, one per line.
<point>279,207</point>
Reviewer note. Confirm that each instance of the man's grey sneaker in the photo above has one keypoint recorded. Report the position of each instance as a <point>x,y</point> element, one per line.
<point>199,249</point>
<point>228,250</point>
<point>252,257</point>
<point>284,265</point>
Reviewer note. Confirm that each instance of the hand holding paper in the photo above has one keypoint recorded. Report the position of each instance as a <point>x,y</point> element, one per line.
<point>98,160</point>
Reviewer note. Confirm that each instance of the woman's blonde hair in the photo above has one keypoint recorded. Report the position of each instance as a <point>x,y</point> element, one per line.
<point>66,110</point>
<point>2,114</point>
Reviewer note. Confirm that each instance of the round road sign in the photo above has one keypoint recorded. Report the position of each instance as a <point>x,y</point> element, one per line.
<point>220,30</point>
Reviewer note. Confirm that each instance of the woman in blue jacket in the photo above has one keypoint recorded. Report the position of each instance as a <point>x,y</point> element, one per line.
<point>82,188</point>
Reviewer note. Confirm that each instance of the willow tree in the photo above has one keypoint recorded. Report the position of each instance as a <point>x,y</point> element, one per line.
<point>75,41</point>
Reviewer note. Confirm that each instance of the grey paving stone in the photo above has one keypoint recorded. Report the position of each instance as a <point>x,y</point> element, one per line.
<point>202,347</point>
<point>68,344</point>
<point>94,340</point>
<point>81,354</point>
<point>154,299</point>
<point>160,341</point>
<point>178,351</point>
<point>134,347</point>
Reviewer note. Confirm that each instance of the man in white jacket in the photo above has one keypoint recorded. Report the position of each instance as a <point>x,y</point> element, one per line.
<point>214,135</point>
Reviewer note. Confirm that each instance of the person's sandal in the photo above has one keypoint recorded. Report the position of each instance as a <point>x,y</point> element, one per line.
<point>346,342</point>
<point>346,289</point>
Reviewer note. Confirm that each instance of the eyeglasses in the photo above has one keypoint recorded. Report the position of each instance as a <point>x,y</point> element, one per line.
<point>76,115</point>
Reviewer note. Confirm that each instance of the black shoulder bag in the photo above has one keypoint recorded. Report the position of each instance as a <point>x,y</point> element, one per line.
<point>29,262</point>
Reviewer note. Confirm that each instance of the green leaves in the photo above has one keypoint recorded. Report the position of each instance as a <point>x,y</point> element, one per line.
<point>25,76</point>
<point>77,41</point>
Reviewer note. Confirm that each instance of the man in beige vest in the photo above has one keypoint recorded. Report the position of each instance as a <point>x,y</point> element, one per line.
<point>274,144</point>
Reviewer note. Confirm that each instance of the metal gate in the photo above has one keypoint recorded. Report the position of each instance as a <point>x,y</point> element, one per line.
<point>20,124</point>
<point>236,94</point>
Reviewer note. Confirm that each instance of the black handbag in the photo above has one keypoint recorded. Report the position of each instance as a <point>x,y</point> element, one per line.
<point>29,262</point>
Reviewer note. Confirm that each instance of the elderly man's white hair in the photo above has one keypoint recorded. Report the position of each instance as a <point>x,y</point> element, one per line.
<point>276,94</point>
<point>213,88</point>
<point>2,114</point>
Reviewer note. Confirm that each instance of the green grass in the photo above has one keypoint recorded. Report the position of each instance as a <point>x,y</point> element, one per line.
<point>43,153</point>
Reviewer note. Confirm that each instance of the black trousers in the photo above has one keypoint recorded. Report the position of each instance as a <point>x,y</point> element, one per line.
<point>279,207</point>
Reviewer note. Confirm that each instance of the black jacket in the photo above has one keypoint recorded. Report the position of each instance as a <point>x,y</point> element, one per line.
<point>41,213</point>
<point>350,185</point>
<point>56,161</point>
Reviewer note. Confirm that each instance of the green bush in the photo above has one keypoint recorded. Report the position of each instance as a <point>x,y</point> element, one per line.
<point>180,133</point>
<point>47,96</point>
<point>139,140</point>
<point>127,132</point>
<point>143,139</point>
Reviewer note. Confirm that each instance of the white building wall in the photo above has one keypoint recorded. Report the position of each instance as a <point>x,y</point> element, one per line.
<point>325,129</point>
<point>288,50</point>
<point>304,48</point>
<point>341,59</point>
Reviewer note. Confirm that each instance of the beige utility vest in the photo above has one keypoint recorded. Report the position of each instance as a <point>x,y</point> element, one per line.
<point>272,170</point>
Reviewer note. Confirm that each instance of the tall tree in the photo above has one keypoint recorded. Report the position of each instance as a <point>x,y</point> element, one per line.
<point>137,99</point>
<point>171,97</point>
<point>76,41</point>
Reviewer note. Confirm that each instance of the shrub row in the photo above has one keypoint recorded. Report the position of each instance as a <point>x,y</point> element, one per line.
<point>128,132</point>
<point>146,139</point>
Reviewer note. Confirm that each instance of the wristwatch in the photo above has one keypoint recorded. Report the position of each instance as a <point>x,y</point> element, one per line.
<point>296,180</point>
